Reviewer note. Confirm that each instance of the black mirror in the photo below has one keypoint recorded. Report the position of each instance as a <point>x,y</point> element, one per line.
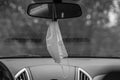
<point>54,10</point>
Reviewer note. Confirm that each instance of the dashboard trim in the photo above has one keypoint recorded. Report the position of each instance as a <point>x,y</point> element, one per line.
<point>21,71</point>
<point>80,69</point>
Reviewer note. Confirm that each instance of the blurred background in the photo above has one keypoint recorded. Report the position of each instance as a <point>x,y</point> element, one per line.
<point>95,33</point>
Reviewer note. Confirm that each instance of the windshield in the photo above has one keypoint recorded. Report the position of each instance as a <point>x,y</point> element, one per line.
<point>95,34</point>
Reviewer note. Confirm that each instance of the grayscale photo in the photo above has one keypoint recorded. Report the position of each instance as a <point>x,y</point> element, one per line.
<point>59,39</point>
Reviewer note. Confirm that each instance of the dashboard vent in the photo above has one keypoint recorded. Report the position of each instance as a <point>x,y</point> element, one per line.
<point>22,75</point>
<point>83,75</point>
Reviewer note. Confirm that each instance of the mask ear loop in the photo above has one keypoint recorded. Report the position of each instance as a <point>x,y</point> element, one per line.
<point>63,71</point>
<point>62,65</point>
<point>68,67</point>
<point>62,56</point>
<point>68,63</point>
<point>65,75</point>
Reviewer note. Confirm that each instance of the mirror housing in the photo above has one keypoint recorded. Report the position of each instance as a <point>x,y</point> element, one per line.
<point>51,10</point>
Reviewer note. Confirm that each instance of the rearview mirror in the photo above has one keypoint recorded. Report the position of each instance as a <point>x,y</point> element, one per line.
<point>54,10</point>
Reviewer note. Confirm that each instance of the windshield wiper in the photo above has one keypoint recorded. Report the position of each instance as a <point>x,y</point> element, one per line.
<point>26,56</point>
<point>76,40</point>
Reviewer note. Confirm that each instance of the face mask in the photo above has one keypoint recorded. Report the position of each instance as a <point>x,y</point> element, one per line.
<point>55,43</point>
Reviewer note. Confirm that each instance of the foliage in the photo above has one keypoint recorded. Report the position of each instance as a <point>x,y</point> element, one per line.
<point>21,34</point>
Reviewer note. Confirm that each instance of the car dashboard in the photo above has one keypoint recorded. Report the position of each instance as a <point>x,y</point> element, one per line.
<point>47,69</point>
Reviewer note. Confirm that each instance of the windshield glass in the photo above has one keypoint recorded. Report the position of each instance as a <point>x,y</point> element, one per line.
<point>95,34</point>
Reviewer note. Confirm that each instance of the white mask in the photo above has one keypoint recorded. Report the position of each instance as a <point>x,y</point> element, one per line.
<point>55,43</point>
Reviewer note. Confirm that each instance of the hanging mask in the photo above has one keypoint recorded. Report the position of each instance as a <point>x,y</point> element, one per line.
<point>55,43</point>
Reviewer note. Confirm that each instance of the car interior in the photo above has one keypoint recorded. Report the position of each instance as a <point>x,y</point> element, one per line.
<point>59,62</point>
